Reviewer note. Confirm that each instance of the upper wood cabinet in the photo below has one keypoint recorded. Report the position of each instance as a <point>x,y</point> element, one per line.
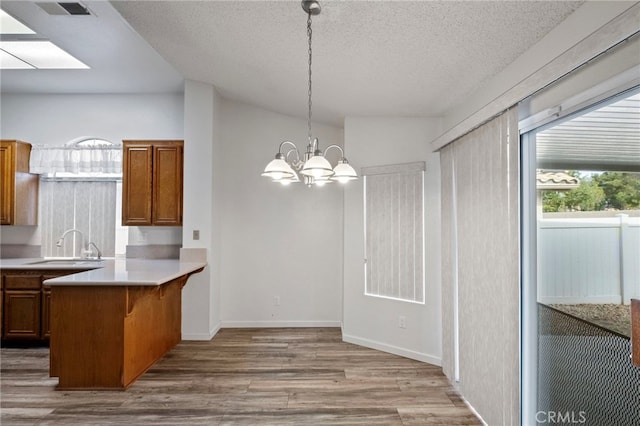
<point>152,182</point>
<point>19,188</point>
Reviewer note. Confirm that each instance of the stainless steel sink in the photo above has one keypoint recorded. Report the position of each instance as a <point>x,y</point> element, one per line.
<point>66,261</point>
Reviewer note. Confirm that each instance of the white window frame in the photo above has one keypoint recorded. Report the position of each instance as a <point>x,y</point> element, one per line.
<point>121,231</point>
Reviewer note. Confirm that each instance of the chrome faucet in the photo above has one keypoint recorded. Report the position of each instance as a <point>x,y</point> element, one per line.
<point>68,231</point>
<point>98,252</point>
<point>87,247</point>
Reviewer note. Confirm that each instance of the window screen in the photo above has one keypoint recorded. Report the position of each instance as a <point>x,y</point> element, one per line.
<point>394,231</point>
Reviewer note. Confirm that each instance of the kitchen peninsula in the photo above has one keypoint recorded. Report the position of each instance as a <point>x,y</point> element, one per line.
<point>111,323</point>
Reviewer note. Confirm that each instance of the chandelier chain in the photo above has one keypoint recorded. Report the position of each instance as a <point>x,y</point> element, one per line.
<point>309,33</point>
<point>313,167</point>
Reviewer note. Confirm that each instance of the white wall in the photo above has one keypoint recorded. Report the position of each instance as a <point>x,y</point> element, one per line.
<point>59,119</point>
<point>371,321</point>
<point>202,182</point>
<point>277,242</point>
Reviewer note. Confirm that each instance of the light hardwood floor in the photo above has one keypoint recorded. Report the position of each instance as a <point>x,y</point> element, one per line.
<point>296,376</point>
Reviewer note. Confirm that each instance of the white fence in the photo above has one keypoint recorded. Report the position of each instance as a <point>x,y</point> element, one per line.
<point>594,260</point>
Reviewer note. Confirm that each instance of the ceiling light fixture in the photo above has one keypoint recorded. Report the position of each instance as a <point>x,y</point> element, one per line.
<point>10,25</point>
<point>10,62</point>
<point>21,48</point>
<point>314,167</point>
<point>41,54</point>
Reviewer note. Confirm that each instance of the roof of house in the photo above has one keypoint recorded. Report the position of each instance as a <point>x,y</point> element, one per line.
<point>556,181</point>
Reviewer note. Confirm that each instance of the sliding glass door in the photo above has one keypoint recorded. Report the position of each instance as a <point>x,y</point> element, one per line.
<point>580,269</point>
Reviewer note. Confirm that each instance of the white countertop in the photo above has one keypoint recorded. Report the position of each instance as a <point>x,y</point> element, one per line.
<point>111,272</point>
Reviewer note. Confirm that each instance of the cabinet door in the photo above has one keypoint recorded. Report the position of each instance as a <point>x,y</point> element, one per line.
<point>167,184</point>
<point>136,184</point>
<point>6,186</point>
<point>22,314</point>
<point>46,301</point>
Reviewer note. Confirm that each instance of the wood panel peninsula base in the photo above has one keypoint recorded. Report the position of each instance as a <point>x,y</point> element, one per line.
<point>105,337</point>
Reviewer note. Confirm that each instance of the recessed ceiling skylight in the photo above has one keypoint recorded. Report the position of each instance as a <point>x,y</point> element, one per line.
<point>20,48</point>
<point>10,25</point>
<point>41,54</point>
<point>10,62</point>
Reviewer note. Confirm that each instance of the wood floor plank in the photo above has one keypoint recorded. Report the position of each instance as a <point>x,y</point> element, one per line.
<point>135,416</point>
<point>291,376</point>
<point>437,416</point>
<point>325,385</point>
<point>336,400</point>
<point>220,401</point>
<point>369,417</point>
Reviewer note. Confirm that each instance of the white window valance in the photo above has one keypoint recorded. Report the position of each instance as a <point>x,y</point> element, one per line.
<point>75,159</point>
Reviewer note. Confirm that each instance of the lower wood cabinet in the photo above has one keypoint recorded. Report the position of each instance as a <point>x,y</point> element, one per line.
<point>22,314</point>
<point>26,304</point>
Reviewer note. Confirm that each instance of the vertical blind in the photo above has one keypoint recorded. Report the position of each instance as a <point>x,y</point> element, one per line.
<point>89,206</point>
<point>394,231</point>
<point>480,267</point>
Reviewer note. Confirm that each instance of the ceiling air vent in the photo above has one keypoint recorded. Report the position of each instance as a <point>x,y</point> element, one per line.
<point>75,8</point>
<point>65,8</point>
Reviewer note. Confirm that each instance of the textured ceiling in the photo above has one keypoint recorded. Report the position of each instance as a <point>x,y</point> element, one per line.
<point>391,58</point>
<point>388,58</point>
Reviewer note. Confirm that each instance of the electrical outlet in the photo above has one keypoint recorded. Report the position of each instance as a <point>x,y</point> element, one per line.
<point>402,321</point>
<point>276,301</point>
<point>196,234</point>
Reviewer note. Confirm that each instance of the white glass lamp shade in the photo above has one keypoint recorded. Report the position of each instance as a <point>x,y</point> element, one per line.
<point>343,172</point>
<point>317,167</point>
<point>278,169</point>
<point>321,181</point>
<point>289,180</point>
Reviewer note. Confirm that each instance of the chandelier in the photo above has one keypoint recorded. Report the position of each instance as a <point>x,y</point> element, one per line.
<point>313,167</point>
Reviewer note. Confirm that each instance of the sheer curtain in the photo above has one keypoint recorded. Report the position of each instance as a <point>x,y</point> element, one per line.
<point>88,206</point>
<point>76,159</point>
<point>480,267</point>
<point>78,190</point>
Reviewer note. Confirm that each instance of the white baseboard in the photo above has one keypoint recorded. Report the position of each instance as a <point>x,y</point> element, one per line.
<point>279,324</point>
<point>407,353</point>
<point>202,336</point>
<point>473,410</point>
<point>456,386</point>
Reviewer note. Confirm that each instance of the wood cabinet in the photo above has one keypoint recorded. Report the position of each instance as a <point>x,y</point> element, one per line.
<point>22,314</point>
<point>105,337</point>
<point>152,182</point>
<point>26,304</point>
<point>22,306</point>
<point>18,188</point>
